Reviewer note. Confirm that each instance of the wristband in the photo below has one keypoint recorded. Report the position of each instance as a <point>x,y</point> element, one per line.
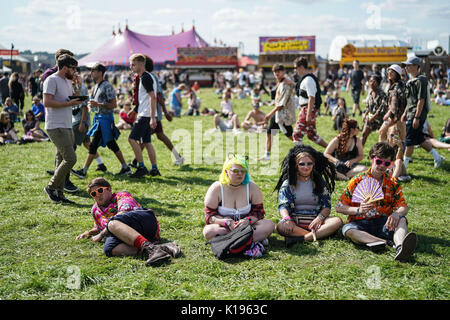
<point>321,217</point>
<point>248,219</point>
<point>357,212</point>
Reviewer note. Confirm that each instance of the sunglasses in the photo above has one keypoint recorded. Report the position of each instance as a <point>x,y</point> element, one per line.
<point>235,171</point>
<point>302,164</point>
<point>379,162</point>
<point>94,193</point>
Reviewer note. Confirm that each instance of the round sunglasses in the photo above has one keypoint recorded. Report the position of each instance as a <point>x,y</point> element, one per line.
<point>94,193</point>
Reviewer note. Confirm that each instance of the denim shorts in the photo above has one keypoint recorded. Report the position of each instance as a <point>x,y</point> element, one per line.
<point>373,226</point>
<point>143,221</point>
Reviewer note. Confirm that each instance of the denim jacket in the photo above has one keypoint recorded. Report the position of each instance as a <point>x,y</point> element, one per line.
<point>286,198</point>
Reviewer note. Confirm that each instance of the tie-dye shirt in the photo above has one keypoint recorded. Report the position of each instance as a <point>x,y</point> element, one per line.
<point>121,202</point>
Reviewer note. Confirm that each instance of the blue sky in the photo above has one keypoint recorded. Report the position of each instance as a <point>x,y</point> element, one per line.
<point>82,25</point>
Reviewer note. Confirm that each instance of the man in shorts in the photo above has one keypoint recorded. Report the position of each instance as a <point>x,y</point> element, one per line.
<point>356,80</point>
<point>309,101</point>
<point>381,222</point>
<point>282,116</point>
<point>146,117</point>
<point>417,106</point>
<point>129,228</point>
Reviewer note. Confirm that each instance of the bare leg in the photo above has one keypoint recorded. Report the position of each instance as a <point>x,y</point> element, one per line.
<point>329,226</point>
<point>358,169</point>
<point>136,149</point>
<point>400,232</point>
<point>263,229</point>
<point>151,153</point>
<point>212,230</point>
<point>361,237</point>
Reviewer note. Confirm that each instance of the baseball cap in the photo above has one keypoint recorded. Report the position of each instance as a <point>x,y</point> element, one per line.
<point>99,67</point>
<point>413,60</point>
<point>396,68</point>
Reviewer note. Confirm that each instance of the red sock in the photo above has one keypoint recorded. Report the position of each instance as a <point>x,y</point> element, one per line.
<point>139,241</point>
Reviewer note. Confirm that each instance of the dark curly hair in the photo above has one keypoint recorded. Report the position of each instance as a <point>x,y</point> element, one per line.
<point>323,174</point>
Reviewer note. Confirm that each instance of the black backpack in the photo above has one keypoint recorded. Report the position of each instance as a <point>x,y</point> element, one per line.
<point>232,243</point>
<point>304,94</point>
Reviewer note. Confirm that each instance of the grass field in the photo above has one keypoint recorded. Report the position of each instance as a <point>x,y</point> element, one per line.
<point>40,258</point>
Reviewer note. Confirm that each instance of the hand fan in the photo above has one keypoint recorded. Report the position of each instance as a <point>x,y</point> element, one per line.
<point>368,188</point>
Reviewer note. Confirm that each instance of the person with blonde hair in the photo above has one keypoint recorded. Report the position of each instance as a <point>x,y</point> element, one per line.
<point>234,200</point>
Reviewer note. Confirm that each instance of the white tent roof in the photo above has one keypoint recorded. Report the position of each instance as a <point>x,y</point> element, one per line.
<point>360,41</point>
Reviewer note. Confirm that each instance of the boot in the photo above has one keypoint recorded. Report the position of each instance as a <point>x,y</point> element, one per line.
<point>153,254</point>
<point>171,248</point>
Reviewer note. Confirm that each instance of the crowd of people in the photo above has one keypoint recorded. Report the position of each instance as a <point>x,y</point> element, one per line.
<point>64,98</point>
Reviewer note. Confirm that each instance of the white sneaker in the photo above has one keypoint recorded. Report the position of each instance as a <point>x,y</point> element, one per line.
<point>264,158</point>
<point>438,163</point>
<point>237,131</point>
<point>179,161</point>
<point>404,178</point>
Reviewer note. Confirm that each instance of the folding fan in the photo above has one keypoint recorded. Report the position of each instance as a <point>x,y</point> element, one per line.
<point>368,188</point>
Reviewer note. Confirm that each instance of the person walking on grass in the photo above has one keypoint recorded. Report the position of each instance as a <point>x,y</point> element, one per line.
<point>415,115</point>
<point>103,131</point>
<point>58,123</point>
<point>146,117</point>
<point>356,80</point>
<point>127,227</point>
<point>282,116</point>
<point>309,100</point>
<point>381,222</point>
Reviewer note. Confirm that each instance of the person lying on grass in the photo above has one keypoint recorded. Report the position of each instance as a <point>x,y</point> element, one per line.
<point>234,200</point>
<point>304,203</point>
<point>129,228</point>
<point>378,223</point>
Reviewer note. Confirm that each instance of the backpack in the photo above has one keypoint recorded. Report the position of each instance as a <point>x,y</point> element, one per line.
<point>232,243</point>
<point>302,93</point>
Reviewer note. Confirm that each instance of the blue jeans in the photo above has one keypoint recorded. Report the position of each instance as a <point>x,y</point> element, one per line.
<point>375,227</point>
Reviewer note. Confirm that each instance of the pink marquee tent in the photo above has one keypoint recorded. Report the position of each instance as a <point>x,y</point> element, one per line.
<point>117,50</point>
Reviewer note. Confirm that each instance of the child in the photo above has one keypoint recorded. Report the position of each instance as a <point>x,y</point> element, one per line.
<point>339,114</point>
<point>7,132</point>
<point>12,109</point>
<point>38,109</point>
<point>125,121</point>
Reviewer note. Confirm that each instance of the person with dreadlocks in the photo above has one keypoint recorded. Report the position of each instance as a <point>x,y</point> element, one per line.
<point>346,150</point>
<point>304,203</point>
<point>234,200</point>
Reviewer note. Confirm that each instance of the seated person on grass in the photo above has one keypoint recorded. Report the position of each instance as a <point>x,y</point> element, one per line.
<point>304,203</point>
<point>254,121</point>
<point>378,223</point>
<point>129,228</point>
<point>234,200</point>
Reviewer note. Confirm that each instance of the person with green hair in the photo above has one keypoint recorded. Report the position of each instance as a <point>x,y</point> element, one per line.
<point>234,200</point>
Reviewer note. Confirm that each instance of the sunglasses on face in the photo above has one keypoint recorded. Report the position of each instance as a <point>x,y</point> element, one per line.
<point>379,162</point>
<point>94,193</point>
<point>235,171</point>
<point>302,164</point>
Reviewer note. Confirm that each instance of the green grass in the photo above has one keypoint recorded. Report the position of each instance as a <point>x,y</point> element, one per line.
<point>38,250</point>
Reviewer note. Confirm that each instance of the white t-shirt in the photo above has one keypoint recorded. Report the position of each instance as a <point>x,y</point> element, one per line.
<point>146,85</point>
<point>309,85</point>
<point>226,107</point>
<point>61,89</point>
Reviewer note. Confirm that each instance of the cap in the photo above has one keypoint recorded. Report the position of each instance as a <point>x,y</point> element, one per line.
<point>396,68</point>
<point>413,60</point>
<point>99,67</point>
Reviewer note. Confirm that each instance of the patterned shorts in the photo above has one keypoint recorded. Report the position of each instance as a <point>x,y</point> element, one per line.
<point>301,129</point>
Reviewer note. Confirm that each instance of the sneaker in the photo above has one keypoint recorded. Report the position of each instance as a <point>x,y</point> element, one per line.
<point>52,195</point>
<point>179,161</point>
<point>125,171</point>
<point>140,172</point>
<point>63,199</point>
<point>171,248</point>
<point>264,158</point>
<point>154,254</point>
<point>101,167</point>
<point>237,131</point>
<point>407,248</point>
<point>404,178</point>
<point>133,164</point>
<point>154,172</point>
<point>439,162</point>
<point>79,173</point>
<point>70,187</point>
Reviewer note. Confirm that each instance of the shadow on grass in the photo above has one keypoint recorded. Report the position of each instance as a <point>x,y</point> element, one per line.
<point>425,244</point>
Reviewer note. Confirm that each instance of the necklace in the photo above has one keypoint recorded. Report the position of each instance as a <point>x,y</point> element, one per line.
<point>235,185</point>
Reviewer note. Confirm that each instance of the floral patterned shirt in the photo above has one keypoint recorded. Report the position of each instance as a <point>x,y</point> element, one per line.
<point>393,197</point>
<point>120,202</point>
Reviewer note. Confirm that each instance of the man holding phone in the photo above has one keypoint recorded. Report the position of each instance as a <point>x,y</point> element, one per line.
<point>58,123</point>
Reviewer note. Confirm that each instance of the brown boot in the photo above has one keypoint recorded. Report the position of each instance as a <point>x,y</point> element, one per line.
<point>171,248</point>
<point>153,254</point>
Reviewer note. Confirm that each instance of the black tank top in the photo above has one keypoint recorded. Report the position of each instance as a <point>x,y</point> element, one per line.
<point>351,154</point>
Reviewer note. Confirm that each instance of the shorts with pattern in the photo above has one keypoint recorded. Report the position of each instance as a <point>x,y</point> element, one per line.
<point>301,129</point>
